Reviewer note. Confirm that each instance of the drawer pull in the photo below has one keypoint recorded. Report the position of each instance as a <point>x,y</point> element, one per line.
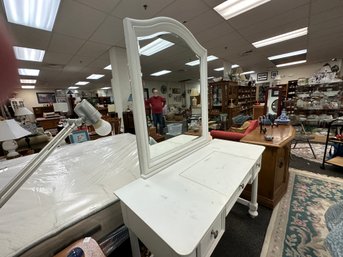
<point>241,186</point>
<point>258,165</point>
<point>214,233</point>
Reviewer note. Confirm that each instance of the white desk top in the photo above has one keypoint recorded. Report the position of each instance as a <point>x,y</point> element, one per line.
<point>181,202</point>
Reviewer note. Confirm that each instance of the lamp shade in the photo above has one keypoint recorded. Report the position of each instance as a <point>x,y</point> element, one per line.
<point>22,111</point>
<point>10,129</point>
<point>194,92</point>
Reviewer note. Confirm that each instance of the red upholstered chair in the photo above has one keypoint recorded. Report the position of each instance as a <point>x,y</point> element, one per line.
<point>234,136</point>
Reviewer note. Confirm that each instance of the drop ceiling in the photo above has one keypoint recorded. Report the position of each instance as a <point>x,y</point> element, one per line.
<point>85,30</point>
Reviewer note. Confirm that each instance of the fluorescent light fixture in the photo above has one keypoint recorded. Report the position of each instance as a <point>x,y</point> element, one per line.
<point>72,87</point>
<point>28,72</point>
<point>219,69</point>
<point>108,67</point>
<point>290,63</point>
<point>28,81</point>
<point>153,35</point>
<point>232,8</point>
<point>106,88</point>
<point>222,68</point>
<point>32,13</point>
<point>210,77</point>
<point>197,62</point>
<point>160,73</point>
<point>234,66</point>
<point>280,38</point>
<point>280,56</point>
<point>95,76</point>
<point>81,83</point>
<point>27,87</point>
<point>28,54</point>
<point>247,72</point>
<point>155,47</point>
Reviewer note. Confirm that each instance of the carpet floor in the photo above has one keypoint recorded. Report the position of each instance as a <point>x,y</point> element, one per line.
<point>244,236</point>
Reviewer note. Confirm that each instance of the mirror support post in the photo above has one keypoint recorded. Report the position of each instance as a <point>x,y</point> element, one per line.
<point>120,81</point>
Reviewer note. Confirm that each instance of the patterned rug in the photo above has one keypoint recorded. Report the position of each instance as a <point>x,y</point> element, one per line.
<point>297,226</point>
<point>304,151</point>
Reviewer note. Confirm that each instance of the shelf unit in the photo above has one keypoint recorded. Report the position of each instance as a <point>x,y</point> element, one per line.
<point>221,94</point>
<point>336,126</point>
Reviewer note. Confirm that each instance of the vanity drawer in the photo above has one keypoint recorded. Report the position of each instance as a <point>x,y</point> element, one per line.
<point>256,169</point>
<point>212,236</point>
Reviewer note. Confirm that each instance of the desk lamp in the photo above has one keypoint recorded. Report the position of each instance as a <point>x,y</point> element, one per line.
<point>10,130</point>
<point>22,112</point>
<point>194,93</point>
<point>88,115</point>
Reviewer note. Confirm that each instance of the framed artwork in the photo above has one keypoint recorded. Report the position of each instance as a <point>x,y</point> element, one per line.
<point>273,74</point>
<point>45,98</point>
<point>176,91</point>
<point>79,136</point>
<point>275,92</point>
<point>263,76</point>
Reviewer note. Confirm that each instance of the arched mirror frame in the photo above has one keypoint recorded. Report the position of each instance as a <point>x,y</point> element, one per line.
<point>136,28</point>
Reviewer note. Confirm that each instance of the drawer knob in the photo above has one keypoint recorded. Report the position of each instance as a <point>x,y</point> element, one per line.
<point>241,186</point>
<point>258,165</point>
<point>214,233</point>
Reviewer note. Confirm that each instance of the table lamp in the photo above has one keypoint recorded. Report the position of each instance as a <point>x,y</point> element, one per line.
<point>22,112</point>
<point>10,130</point>
<point>194,93</point>
<point>88,115</point>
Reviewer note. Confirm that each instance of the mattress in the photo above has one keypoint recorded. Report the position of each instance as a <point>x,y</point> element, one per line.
<point>68,197</point>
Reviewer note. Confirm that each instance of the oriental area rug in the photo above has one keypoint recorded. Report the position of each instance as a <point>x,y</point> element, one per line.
<point>304,151</point>
<point>297,226</point>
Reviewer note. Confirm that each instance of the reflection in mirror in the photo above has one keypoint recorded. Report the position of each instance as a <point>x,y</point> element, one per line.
<point>168,72</point>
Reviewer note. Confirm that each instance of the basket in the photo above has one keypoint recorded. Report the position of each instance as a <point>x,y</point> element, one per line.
<point>174,129</point>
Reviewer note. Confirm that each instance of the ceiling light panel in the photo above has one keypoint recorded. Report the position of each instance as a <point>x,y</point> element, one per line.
<point>290,63</point>
<point>28,72</point>
<point>219,69</point>
<point>28,81</point>
<point>72,87</point>
<point>197,62</point>
<point>27,87</point>
<point>155,46</point>
<point>234,66</point>
<point>232,8</point>
<point>81,83</point>
<point>247,72</point>
<point>28,54</point>
<point>108,67</point>
<point>280,56</point>
<point>160,73</point>
<point>40,14</point>
<point>281,38</point>
<point>106,88</point>
<point>95,76</point>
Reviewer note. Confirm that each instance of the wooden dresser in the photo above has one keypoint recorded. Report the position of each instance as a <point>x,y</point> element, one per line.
<point>273,178</point>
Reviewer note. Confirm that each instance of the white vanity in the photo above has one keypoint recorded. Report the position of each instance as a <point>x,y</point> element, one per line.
<point>188,184</point>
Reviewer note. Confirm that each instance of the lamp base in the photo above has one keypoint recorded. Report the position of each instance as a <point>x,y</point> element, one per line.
<point>10,146</point>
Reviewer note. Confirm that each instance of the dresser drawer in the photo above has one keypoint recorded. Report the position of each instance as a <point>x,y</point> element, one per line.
<point>212,236</point>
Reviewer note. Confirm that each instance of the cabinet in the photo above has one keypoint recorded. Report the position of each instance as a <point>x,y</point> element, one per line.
<point>335,128</point>
<point>274,175</point>
<point>38,111</point>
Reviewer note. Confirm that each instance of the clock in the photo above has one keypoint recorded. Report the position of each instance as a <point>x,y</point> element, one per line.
<point>163,89</point>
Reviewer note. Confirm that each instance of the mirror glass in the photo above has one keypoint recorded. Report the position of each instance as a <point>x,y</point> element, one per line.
<point>168,73</point>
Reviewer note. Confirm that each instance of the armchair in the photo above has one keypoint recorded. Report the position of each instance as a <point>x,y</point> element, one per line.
<point>234,135</point>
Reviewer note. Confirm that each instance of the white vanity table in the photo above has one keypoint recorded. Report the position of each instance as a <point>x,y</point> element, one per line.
<point>188,183</point>
<point>181,210</point>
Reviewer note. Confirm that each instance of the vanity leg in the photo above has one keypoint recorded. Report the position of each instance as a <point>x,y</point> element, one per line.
<point>134,244</point>
<point>253,203</point>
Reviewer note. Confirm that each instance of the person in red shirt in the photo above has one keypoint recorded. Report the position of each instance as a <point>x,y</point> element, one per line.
<point>157,103</point>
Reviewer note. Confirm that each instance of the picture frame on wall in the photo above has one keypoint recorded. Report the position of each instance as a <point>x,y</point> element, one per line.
<point>275,92</point>
<point>46,97</point>
<point>263,76</point>
<point>273,74</point>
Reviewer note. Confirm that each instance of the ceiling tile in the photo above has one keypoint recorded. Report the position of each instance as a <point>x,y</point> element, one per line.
<point>203,21</point>
<point>93,49</point>
<point>65,44</point>
<point>104,5</point>
<point>109,32</point>
<point>56,58</point>
<point>77,20</point>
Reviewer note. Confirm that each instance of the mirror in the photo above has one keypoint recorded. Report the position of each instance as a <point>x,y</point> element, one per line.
<point>170,107</point>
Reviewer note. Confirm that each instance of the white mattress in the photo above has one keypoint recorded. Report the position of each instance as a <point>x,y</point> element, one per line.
<point>74,183</point>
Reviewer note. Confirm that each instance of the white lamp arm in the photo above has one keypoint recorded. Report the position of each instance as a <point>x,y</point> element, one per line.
<point>12,187</point>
